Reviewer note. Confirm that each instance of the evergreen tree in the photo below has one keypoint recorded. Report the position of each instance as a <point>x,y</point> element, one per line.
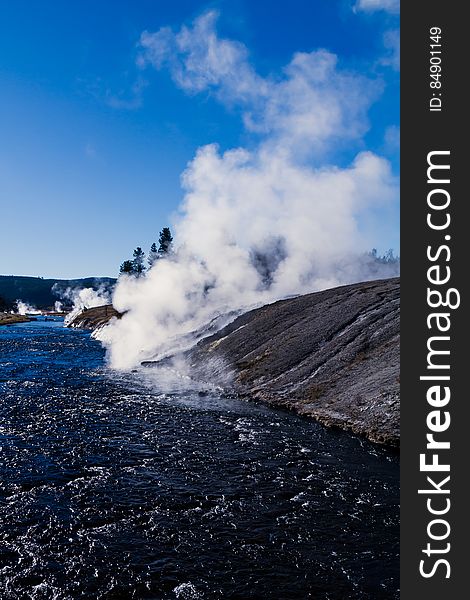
<point>127,267</point>
<point>138,262</point>
<point>153,254</point>
<point>165,241</point>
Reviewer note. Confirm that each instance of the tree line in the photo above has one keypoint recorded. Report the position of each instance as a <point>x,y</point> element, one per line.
<point>389,258</point>
<point>136,266</point>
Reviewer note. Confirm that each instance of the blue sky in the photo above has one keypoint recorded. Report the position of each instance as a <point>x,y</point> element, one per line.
<point>92,145</point>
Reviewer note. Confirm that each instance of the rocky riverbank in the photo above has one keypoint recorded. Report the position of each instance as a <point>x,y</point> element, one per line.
<point>331,355</point>
<point>92,318</point>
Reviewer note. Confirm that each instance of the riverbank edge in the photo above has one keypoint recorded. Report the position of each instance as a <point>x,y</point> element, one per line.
<point>9,319</point>
<point>349,334</point>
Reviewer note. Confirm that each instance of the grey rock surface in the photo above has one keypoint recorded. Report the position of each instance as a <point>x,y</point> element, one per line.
<point>331,355</point>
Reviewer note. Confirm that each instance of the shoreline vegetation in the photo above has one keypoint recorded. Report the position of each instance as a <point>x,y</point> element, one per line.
<point>331,355</point>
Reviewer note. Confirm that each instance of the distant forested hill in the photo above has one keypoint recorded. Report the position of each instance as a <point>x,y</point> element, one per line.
<point>43,293</point>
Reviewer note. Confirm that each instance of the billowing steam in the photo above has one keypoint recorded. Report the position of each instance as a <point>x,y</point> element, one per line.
<point>261,224</point>
<point>58,307</point>
<point>84,298</point>
<point>23,308</point>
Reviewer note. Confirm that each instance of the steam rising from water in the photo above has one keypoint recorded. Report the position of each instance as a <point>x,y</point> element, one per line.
<point>256,225</point>
<point>84,298</point>
<point>23,308</point>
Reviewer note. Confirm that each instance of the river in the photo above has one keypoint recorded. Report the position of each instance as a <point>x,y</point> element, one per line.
<point>122,486</point>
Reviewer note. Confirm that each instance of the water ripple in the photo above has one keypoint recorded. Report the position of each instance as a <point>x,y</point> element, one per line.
<point>114,488</point>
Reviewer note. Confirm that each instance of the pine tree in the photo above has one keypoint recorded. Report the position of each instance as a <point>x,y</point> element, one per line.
<point>138,261</point>
<point>153,254</point>
<point>165,242</point>
<point>127,267</point>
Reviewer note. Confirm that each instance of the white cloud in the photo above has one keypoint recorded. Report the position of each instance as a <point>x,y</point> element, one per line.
<point>392,138</point>
<point>314,105</point>
<point>392,45</point>
<point>392,6</point>
<point>198,59</point>
<point>311,104</point>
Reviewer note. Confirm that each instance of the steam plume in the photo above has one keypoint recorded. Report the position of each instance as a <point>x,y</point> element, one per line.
<point>256,225</point>
<point>84,298</point>
<point>23,308</point>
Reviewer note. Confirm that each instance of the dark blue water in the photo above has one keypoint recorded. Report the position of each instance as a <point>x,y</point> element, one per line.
<point>113,488</point>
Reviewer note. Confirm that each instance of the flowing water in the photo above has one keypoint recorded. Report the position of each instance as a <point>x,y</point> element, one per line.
<point>112,487</point>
